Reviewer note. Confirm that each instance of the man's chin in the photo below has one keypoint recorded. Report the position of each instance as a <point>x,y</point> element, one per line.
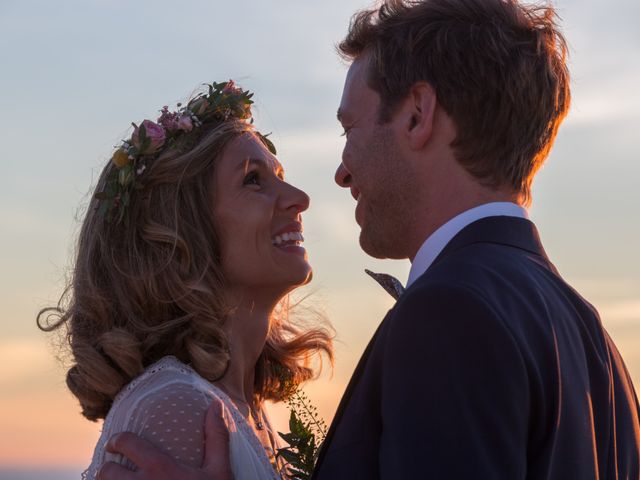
<point>377,247</point>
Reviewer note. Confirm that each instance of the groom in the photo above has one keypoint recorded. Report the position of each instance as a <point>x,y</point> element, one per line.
<point>489,366</point>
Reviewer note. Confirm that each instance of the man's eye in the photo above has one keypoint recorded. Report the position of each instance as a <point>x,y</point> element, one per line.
<point>251,178</point>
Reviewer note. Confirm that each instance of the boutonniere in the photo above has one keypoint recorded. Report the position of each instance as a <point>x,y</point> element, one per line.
<point>307,432</point>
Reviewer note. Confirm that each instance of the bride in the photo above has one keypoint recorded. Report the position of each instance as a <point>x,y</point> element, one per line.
<point>178,298</point>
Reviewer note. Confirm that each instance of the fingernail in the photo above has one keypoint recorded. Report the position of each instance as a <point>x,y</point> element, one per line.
<point>111,443</point>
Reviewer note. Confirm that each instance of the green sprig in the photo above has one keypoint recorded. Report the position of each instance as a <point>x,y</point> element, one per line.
<point>307,432</point>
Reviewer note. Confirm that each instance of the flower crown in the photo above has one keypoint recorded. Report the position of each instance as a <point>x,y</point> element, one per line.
<point>221,102</point>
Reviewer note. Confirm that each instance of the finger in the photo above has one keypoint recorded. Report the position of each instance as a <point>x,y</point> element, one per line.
<point>140,451</point>
<point>113,471</point>
<point>216,437</point>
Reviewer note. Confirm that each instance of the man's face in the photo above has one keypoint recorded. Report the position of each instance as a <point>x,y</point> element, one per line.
<point>373,169</point>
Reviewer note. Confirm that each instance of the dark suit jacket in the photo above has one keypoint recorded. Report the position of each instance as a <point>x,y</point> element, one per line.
<point>489,366</point>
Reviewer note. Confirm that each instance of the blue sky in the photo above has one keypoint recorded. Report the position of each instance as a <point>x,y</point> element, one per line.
<point>76,73</point>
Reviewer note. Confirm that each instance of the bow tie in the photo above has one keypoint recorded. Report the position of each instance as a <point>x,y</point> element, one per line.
<point>390,284</point>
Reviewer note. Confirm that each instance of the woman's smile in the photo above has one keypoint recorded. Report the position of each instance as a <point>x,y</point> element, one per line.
<point>289,239</point>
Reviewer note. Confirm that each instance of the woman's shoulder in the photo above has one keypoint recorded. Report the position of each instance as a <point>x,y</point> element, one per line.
<point>167,374</point>
<point>166,384</point>
<point>166,405</point>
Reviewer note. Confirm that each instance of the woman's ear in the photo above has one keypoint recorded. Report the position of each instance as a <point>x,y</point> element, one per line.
<point>421,107</point>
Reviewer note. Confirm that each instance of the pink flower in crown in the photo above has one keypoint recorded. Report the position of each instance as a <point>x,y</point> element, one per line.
<point>152,139</point>
<point>185,123</point>
<point>169,120</point>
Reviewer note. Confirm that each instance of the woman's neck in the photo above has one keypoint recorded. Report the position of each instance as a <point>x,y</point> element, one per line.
<point>246,330</point>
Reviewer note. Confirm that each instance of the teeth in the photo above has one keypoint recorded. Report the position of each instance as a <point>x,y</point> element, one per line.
<point>295,237</point>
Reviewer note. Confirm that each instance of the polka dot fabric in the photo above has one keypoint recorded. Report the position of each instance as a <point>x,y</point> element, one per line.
<point>172,418</point>
<point>167,405</point>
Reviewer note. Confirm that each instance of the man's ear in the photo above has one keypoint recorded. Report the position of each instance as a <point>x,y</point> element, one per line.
<point>421,107</point>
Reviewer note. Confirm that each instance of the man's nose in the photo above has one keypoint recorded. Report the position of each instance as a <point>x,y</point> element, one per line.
<point>343,176</point>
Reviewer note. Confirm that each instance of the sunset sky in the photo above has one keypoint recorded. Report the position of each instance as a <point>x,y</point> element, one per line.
<point>76,73</point>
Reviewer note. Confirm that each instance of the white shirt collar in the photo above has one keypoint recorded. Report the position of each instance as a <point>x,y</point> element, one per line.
<point>439,239</point>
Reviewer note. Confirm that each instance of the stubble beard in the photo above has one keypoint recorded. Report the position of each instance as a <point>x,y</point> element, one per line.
<point>387,216</point>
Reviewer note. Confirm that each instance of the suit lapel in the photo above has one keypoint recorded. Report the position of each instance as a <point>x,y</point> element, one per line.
<point>346,397</point>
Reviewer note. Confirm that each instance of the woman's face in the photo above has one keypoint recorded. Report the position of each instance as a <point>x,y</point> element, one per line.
<point>259,217</point>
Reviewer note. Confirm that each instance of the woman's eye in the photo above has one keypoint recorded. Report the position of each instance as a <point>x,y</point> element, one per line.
<point>251,178</point>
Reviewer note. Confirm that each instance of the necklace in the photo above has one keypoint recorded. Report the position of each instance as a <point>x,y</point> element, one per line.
<point>256,416</point>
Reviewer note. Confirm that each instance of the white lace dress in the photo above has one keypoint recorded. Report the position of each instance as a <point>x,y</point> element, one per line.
<point>167,405</point>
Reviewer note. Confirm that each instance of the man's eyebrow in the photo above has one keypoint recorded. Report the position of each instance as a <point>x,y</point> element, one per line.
<point>339,115</point>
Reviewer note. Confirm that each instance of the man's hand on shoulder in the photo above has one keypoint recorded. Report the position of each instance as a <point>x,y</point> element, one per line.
<point>155,465</point>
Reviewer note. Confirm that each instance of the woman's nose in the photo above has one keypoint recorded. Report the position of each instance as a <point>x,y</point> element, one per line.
<point>343,176</point>
<point>294,198</point>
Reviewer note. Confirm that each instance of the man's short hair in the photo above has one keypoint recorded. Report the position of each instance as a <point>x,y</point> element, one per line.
<point>498,69</point>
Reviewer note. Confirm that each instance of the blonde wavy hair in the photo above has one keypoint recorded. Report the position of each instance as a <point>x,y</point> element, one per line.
<point>152,285</point>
